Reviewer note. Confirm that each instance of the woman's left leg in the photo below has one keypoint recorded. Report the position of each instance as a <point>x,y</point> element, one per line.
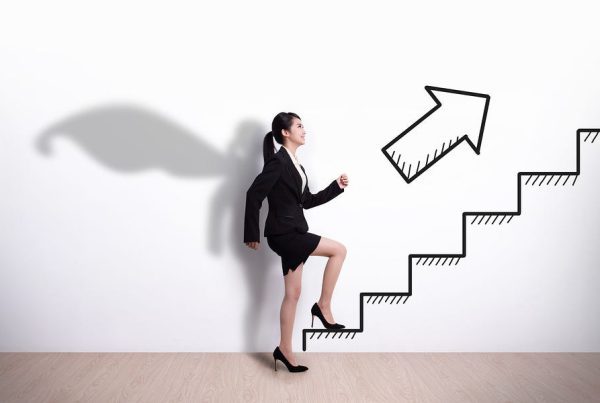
<point>336,252</point>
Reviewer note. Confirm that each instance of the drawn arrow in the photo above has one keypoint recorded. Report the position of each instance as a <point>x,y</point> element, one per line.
<point>457,116</point>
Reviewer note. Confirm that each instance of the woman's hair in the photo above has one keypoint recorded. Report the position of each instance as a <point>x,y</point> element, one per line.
<point>281,121</point>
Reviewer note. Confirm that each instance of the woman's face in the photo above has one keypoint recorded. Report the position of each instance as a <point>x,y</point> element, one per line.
<point>296,133</point>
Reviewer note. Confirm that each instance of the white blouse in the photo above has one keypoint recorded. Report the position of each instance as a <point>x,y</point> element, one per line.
<point>300,171</point>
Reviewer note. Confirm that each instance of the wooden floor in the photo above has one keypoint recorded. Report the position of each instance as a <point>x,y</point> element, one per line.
<point>332,377</point>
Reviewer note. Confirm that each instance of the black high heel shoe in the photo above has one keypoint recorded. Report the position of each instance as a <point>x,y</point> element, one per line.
<point>316,311</point>
<point>278,355</point>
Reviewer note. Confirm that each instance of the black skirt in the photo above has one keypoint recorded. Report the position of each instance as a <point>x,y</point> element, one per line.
<point>293,247</point>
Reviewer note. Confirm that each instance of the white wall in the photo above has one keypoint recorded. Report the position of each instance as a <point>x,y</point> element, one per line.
<point>129,134</point>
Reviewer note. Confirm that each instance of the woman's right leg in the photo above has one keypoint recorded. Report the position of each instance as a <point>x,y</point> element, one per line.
<point>293,287</point>
<point>336,252</point>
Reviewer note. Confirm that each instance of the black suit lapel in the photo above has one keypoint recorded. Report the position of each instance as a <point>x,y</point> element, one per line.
<point>291,168</point>
<point>306,187</point>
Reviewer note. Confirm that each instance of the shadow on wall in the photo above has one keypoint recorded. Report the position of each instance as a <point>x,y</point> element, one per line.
<point>130,139</point>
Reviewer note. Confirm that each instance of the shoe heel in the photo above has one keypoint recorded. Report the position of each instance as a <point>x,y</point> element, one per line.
<point>275,363</point>
<point>312,324</point>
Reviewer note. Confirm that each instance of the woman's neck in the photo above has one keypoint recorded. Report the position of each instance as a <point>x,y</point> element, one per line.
<point>292,149</point>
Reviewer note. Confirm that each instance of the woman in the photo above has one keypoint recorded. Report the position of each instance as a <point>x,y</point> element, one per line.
<point>283,181</point>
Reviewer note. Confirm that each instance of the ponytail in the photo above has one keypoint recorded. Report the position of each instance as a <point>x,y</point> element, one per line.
<point>281,121</point>
<point>268,147</point>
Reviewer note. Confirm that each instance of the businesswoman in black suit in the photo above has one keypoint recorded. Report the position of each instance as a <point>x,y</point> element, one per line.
<point>284,183</point>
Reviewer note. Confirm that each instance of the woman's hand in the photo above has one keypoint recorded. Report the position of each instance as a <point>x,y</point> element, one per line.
<point>342,181</point>
<point>253,245</point>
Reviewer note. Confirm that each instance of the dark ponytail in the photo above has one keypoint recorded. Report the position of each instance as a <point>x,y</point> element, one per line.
<point>282,121</point>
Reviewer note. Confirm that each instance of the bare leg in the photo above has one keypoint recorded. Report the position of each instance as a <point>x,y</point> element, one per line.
<point>336,252</point>
<point>293,287</point>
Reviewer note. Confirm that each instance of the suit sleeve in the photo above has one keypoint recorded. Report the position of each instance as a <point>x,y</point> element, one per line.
<point>255,195</point>
<point>325,195</point>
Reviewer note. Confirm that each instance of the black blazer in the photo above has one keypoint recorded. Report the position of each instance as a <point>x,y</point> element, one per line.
<point>281,183</point>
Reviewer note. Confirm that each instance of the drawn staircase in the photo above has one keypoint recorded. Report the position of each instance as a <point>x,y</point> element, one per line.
<point>473,218</point>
